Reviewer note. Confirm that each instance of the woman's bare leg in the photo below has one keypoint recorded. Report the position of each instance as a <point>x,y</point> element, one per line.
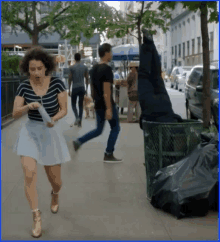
<point>54,176</point>
<point>30,180</point>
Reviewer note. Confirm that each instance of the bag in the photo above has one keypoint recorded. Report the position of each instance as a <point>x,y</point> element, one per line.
<point>133,96</point>
<point>189,187</point>
<point>45,116</point>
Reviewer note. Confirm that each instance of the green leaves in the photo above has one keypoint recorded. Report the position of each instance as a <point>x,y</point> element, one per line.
<point>10,64</point>
<point>194,6</point>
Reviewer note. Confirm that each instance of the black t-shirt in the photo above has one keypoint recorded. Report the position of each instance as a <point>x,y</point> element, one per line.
<point>101,73</point>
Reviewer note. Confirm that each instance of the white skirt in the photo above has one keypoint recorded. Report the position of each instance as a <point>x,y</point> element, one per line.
<point>46,145</point>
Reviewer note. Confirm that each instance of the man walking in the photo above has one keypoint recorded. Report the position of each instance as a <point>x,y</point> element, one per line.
<point>102,82</point>
<point>77,74</point>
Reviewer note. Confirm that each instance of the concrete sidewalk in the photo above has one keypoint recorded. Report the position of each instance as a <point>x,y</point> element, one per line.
<point>98,201</point>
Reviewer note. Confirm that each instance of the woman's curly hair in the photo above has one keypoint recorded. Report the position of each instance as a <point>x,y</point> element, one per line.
<point>38,53</point>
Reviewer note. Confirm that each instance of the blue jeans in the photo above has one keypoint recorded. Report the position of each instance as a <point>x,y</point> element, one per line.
<point>77,94</point>
<point>100,120</point>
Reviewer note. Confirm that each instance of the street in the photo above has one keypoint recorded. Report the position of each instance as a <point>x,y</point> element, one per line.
<point>178,100</point>
<point>98,201</point>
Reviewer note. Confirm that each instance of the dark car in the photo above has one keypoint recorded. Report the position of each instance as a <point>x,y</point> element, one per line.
<point>193,94</point>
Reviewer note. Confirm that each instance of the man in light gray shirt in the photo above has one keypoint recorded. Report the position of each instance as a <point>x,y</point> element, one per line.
<point>76,76</point>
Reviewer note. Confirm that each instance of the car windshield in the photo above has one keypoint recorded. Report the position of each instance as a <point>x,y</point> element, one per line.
<point>187,69</point>
<point>214,78</point>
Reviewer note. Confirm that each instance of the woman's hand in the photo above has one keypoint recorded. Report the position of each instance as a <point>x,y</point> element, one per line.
<point>51,124</point>
<point>34,105</point>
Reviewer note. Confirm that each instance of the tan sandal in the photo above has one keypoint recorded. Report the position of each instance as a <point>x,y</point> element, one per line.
<point>37,230</point>
<point>54,202</point>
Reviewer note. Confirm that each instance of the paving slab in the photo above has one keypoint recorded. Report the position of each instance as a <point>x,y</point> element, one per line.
<point>98,201</point>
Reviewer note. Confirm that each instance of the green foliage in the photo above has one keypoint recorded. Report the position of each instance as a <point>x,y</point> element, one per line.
<point>148,19</point>
<point>194,6</point>
<point>10,64</point>
<point>69,19</point>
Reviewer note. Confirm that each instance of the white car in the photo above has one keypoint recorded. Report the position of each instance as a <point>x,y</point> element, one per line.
<point>182,80</point>
<point>176,74</point>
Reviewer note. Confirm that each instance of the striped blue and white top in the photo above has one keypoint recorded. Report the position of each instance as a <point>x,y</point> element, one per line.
<point>49,100</point>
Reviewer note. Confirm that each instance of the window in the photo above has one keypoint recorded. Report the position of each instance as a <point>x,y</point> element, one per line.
<point>179,50</point>
<point>188,48</point>
<point>199,44</point>
<point>175,51</point>
<point>183,50</point>
<point>214,79</point>
<point>172,51</point>
<point>46,6</point>
<point>211,41</point>
<point>195,77</point>
<point>6,28</point>
<point>193,45</point>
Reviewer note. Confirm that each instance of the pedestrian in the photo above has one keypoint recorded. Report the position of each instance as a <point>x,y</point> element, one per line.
<point>102,82</point>
<point>37,142</point>
<point>133,92</point>
<point>77,74</point>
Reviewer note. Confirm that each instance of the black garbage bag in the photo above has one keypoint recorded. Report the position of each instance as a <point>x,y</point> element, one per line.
<point>190,186</point>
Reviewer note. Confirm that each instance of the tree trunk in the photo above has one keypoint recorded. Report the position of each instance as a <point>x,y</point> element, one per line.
<point>35,39</point>
<point>206,66</point>
<point>35,27</point>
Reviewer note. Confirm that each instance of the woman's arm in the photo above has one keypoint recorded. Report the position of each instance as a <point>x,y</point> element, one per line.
<point>62,100</point>
<point>19,109</point>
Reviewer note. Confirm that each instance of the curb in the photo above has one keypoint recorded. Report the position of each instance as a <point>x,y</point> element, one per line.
<point>7,123</point>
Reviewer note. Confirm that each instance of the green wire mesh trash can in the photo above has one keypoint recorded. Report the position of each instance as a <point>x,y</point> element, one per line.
<point>167,143</point>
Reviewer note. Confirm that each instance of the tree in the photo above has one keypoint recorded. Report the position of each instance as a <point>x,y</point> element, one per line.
<point>86,18</point>
<point>69,19</point>
<point>204,7</point>
<point>24,15</point>
<point>145,17</point>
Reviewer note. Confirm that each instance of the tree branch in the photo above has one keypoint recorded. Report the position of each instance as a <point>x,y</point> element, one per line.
<point>45,25</point>
<point>142,10</point>
<point>24,26</point>
<point>133,35</point>
<point>26,15</point>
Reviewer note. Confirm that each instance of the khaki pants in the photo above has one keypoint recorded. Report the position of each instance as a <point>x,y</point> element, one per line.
<point>131,106</point>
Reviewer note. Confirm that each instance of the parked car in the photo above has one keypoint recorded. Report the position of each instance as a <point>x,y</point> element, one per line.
<point>176,74</point>
<point>182,80</point>
<point>193,94</point>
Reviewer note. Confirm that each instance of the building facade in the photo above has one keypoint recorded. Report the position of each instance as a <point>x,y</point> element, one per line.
<point>183,43</point>
<point>133,6</point>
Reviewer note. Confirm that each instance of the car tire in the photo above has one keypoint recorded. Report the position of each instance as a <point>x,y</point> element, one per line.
<point>176,86</point>
<point>189,114</point>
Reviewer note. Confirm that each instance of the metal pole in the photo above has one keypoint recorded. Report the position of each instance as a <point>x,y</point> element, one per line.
<point>66,58</point>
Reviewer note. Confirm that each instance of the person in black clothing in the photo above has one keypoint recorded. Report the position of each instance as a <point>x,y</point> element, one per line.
<point>102,85</point>
<point>153,97</point>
